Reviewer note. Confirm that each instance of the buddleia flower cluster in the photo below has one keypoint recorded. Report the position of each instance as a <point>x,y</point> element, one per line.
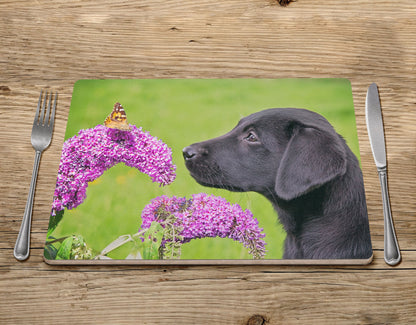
<point>87,155</point>
<point>204,216</point>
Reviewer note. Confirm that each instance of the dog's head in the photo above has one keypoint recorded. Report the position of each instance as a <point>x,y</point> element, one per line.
<point>284,152</point>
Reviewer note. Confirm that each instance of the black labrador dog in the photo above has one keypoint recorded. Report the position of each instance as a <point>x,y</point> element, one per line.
<point>295,158</point>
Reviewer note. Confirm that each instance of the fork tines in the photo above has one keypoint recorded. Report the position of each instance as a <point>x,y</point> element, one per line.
<point>44,119</point>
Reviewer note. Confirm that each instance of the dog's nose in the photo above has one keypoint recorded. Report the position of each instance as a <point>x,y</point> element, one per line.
<point>189,152</point>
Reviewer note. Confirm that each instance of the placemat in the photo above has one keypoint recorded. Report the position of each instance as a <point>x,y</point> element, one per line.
<point>210,171</point>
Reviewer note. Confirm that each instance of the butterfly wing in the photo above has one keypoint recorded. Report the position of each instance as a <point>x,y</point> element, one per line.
<point>117,119</point>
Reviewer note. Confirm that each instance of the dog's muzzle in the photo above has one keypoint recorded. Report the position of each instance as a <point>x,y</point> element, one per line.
<point>194,151</point>
<point>189,153</point>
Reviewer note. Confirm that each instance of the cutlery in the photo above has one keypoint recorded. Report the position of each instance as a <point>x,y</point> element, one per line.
<point>376,134</point>
<point>41,138</point>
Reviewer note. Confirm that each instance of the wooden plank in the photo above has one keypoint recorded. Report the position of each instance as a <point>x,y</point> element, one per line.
<point>54,43</point>
<point>192,294</point>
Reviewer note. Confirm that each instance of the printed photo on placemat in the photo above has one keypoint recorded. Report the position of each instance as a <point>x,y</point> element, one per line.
<point>210,171</point>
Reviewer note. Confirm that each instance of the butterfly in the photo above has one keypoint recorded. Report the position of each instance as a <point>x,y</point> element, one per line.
<point>117,119</point>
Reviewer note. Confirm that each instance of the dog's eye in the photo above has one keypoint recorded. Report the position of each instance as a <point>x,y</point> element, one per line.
<point>251,137</point>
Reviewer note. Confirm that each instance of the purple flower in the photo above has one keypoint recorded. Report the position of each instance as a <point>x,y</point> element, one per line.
<point>207,216</point>
<point>87,155</point>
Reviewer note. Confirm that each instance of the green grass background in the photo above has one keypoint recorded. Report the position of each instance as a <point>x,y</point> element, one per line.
<point>181,112</point>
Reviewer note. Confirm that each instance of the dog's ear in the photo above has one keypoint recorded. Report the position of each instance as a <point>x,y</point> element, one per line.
<point>312,157</point>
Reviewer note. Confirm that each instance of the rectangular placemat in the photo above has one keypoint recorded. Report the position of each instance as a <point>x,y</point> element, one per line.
<point>210,171</point>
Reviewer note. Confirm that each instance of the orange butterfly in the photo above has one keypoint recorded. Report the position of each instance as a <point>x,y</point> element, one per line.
<point>117,119</point>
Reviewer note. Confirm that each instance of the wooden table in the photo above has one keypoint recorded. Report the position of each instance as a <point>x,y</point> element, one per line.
<point>54,43</point>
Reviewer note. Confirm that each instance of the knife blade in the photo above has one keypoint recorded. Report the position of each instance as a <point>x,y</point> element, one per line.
<point>375,130</point>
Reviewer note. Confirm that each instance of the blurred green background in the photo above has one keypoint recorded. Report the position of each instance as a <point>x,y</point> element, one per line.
<point>181,112</point>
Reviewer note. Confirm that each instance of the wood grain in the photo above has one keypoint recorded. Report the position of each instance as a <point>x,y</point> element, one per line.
<point>54,43</point>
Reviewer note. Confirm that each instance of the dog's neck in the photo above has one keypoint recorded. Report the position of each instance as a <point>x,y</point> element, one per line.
<point>294,213</point>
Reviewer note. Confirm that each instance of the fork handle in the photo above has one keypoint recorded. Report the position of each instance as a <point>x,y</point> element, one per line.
<point>22,246</point>
<point>391,247</point>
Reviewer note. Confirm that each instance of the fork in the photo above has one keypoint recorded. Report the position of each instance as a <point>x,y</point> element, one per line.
<point>41,138</point>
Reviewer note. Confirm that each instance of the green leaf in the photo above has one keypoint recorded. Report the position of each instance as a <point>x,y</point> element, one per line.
<point>50,252</point>
<point>64,252</point>
<point>53,222</point>
<point>151,251</point>
<point>155,230</point>
<point>152,241</point>
<point>51,240</point>
<point>120,241</point>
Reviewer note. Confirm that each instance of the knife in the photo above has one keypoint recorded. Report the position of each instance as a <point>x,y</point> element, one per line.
<point>376,134</point>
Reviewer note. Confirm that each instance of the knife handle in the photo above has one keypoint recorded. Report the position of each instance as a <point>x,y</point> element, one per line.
<point>391,247</point>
